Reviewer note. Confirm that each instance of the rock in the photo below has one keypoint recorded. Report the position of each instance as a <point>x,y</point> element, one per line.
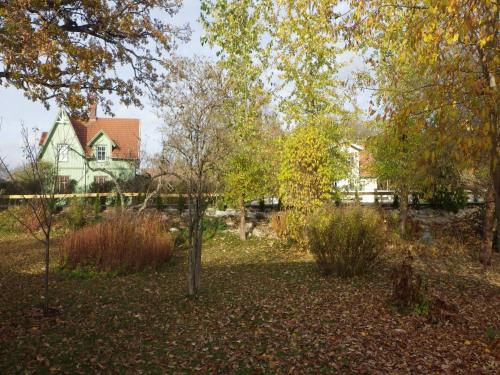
<point>173,230</point>
<point>427,237</point>
<point>230,223</point>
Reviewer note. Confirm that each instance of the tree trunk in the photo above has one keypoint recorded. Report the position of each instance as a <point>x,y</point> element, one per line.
<point>496,196</point>
<point>195,245</point>
<point>403,212</point>
<point>194,259</point>
<point>243,234</point>
<point>46,278</point>
<point>489,217</point>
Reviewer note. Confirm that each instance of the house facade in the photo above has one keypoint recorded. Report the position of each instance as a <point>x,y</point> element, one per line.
<point>360,177</point>
<point>87,152</point>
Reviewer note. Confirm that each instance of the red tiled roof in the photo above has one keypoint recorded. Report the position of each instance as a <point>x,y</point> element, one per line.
<point>122,131</point>
<point>365,164</point>
<point>43,138</point>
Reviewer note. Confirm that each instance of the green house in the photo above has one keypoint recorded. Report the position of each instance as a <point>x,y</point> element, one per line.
<point>89,151</point>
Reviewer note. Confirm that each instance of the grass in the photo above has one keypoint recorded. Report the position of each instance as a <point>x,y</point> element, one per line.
<point>124,243</point>
<point>262,309</point>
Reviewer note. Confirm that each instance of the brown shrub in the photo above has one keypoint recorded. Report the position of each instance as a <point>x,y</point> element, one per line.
<point>124,243</point>
<point>279,226</point>
<point>347,240</point>
<point>406,286</point>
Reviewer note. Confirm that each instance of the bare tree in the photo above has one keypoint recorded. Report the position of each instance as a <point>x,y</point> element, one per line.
<point>191,104</point>
<point>42,206</point>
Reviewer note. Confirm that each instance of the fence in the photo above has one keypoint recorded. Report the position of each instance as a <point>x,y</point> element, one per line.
<point>368,197</point>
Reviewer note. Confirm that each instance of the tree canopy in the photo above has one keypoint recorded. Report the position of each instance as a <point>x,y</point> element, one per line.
<point>79,51</point>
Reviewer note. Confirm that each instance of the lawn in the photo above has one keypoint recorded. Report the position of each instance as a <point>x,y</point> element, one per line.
<point>264,308</point>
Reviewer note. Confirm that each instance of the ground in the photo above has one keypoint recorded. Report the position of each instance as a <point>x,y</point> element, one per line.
<point>263,308</point>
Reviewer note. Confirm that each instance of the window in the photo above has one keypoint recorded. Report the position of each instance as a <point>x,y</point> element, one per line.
<point>62,184</point>
<point>100,180</point>
<point>62,151</point>
<point>101,153</point>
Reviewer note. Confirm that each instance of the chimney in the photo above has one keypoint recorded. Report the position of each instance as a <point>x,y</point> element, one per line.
<point>92,112</point>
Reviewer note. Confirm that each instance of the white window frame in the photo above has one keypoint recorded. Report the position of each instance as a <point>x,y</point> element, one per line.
<point>63,183</point>
<point>100,180</point>
<point>98,150</point>
<point>62,152</point>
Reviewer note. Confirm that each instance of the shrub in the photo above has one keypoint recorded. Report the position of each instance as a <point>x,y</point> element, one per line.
<point>346,241</point>
<point>395,202</point>
<point>220,204</point>
<point>97,205</point>
<point>158,202</point>
<point>262,205</point>
<point>278,224</point>
<point>181,203</point>
<point>78,214</point>
<point>449,200</point>
<point>126,243</point>
<point>212,226</point>
<point>406,287</point>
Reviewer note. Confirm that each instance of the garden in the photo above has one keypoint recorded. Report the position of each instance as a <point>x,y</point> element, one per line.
<point>266,305</point>
<point>319,193</point>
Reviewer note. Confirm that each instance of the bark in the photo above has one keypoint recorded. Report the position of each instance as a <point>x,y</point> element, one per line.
<point>489,218</point>
<point>46,278</point>
<point>403,212</point>
<point>243,234</point>
<point>195,245</point>
<point>496,192</point>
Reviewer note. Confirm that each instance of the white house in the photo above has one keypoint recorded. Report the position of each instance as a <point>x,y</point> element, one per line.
<point>360,179</point>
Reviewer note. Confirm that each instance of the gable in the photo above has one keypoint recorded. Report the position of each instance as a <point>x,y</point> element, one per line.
<point>123,133</point>
<point>99,137</point>
<point>61,132</point>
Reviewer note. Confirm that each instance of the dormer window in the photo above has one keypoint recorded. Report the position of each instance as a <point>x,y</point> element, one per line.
<point>101,153</point>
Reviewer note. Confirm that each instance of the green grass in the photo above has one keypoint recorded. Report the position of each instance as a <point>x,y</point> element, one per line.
<point>263,309</point>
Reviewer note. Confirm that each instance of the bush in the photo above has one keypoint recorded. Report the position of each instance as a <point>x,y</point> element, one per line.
<point>289,226</point>
<point>158,202</point>
<point>346,241</point>
<point>220,204</point>
<point>212,226</point>
<point>278,224</point>
<point>181,203</point>
<point>449,200</point>
<point>125,243</point>
<point>76,214</point>
<point>407,288</point>
<point>97,205</point>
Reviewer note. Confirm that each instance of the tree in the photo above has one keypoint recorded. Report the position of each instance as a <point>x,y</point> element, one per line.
<point>236,29</point>
<point>192,105</point>
<point>80,51</point>
<point>311,162</point>
<point>396,151</point>
<point>452,46</point>
<point>42,207</point>
<point>250,167</point>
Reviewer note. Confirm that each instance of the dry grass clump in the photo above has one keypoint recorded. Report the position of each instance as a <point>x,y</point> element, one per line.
<point>279,225</point>
<point>124,242</point>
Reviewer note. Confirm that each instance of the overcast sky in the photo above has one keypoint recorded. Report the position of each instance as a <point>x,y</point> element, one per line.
<point>16,109</point>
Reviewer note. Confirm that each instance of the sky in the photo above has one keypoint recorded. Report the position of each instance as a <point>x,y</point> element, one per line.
<point>15,109</point>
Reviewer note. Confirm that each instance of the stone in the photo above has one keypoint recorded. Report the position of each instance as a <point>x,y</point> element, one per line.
<point>427,237</point>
